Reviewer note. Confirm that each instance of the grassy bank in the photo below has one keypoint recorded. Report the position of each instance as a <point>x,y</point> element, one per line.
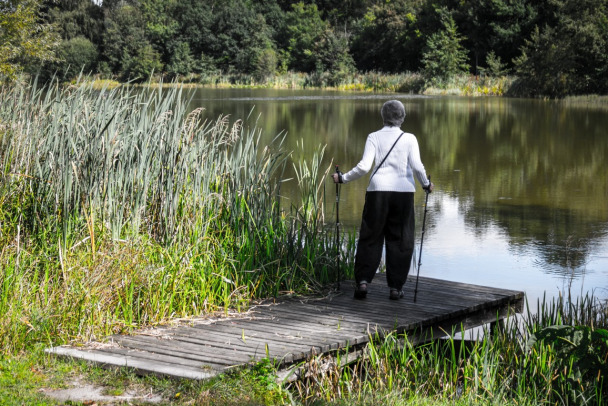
<point>414,83</point>
<point>535,359</point>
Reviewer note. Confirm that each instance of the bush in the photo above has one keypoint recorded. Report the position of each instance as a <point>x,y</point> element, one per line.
<point>445,57</point>
<point>180,62</point>
<point>266,65</point>
<point>76,55</point>
<point>141,66</point>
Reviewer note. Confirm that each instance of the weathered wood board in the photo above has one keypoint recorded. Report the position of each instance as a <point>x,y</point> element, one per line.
<point>292,330</point>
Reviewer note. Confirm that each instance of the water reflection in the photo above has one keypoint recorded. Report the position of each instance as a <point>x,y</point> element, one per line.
<point>522,184</point>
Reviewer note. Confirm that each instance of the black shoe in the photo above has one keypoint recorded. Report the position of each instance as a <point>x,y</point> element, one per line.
<point>361,291</point>
<point>396,294</point>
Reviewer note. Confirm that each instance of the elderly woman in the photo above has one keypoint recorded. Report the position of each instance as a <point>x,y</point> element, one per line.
<point>388,214</point>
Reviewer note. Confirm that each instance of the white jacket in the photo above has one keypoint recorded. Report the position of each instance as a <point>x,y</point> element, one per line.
<point>396,173</point>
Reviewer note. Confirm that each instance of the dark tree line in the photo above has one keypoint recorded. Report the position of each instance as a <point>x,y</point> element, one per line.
<point>554,47</point>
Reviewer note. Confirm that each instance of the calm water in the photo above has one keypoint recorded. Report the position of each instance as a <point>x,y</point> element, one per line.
<point>521,185</point>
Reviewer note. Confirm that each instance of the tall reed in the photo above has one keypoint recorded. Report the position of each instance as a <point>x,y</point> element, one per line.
<point>527,362</point>
<point>119,207</point>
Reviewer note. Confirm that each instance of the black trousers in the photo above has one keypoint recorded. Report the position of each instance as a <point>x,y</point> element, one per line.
<point>388,218</point>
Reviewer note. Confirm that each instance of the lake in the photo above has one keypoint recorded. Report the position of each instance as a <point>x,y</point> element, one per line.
<point>521,185</point>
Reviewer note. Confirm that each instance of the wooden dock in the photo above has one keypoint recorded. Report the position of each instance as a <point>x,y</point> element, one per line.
<point>292,330</point>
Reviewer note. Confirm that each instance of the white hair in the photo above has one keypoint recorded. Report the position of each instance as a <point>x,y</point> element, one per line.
<point>393,113</point>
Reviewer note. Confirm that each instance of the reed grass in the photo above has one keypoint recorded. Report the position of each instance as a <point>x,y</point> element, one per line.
<point>470,85</point>
<point>119,208</point>
<point>409,82</point>
<point>358,82</point>
<point>512,365</point>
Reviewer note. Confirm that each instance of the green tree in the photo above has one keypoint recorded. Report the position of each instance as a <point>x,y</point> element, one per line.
<point>76,55</point>
<point>25,42</point>
<point>387,38</point>
<point>569,53</point>
<point>126,48</point>
<point>180,61</point>
<point>195,19</point>
<point>273,15</point>
<point>444,57</point>
<point>158,16</point>
<point>143,64</point>
<point>161,30</point>
<point>241,35</point>
<point>494,66</point>
<point>344,13</point>
<point>304,30</point>
<point>76,18</point>
<point>333,56</point>
<point>231,35</point>
<point>266,65</point>
<point>498,26</point>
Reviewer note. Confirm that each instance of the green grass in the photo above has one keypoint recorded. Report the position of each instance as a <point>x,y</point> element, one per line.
<point>537,358</point>
<point>507,367</point>
<point>33,378</point>
<point>119,209</point>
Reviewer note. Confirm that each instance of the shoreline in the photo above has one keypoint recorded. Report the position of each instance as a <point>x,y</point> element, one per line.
<point>469,86</point>
<point>413,83</point>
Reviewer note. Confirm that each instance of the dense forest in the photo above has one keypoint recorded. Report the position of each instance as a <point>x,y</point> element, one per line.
<point>552,47</point>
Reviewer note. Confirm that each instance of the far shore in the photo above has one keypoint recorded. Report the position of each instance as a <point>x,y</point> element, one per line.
<point>466,85</point>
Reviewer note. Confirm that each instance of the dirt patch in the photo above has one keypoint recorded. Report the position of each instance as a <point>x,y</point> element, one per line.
<point>90,394</point>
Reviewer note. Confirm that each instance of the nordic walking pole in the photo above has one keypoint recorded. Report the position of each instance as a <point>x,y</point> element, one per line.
<point>426,205</point>
<point>338,229</point>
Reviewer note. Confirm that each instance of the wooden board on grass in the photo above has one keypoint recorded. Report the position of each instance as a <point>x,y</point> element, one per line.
<point>290,331</point>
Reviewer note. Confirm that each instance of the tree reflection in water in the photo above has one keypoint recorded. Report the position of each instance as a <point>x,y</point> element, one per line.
<point>521,184</point>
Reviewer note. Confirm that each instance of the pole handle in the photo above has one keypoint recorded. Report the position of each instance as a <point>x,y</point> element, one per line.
<point>428,189</point>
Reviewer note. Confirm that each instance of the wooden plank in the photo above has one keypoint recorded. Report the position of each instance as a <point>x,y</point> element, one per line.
<point>262,329</point>
<point>392,320</point>
<point>462,286</point>
<point>358,309</point>
<point>253,349</point>
<point>471,299</point>
<point>167,348</point>
<point>178,362</point>
<point>218,351</point>
<point>354,322</point>
<point>250,344</point>
<point>208,349</point>
<point>372,303</point>
<point>468,320</point>
<point>294,330</point>
<point>312,324</point>
<point>429,287</point>
<point>233,336</point>
<point>363,310</point>
<point>158,368</point>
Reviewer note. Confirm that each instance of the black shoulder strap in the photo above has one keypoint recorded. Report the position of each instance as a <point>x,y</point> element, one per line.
<point>386,156</point>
